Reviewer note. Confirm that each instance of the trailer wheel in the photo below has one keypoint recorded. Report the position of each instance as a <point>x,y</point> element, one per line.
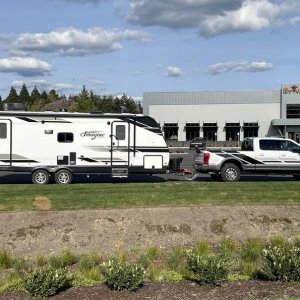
<point>63,177</point>
<point>40,177</point>
<point>230,173</point>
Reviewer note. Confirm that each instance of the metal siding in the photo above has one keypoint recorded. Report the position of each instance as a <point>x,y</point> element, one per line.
<point>213,97</point>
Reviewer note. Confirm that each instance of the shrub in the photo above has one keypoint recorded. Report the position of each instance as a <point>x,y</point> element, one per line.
<point>20,265</point>
<point>121,275</point>
<point>88,262</point>
<point>202,247</point>
<point>208,269</point>
<point>281,263</point>
<point>41,260</point>
<point>144,260</point>
<point>154,272</point>
<point>176,259</point>
<point>171,276</point>
<point>251,251</point>
<point>228,247</point>
<point>64,259</point>
<point>6,260</point>
<point>153,253</point>
<point>46,281</point>
<point>12,285</point>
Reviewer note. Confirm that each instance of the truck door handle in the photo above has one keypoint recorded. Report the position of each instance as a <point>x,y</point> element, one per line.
<point>261,155</point>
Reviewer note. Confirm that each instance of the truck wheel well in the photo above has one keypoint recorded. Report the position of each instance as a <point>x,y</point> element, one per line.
<point>235,162</point>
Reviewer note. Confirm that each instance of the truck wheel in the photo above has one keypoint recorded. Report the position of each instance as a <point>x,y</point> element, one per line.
<point>230,173</point>
<point>216,177</point>
<point>63,177</point>
<point>40,177</point>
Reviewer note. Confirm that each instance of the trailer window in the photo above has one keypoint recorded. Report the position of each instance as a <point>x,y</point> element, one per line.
<point>65,137</point>
<point>3,130</point>
<point>120,132</point>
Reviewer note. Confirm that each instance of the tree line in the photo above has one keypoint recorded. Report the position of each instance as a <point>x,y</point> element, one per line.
<point>85,101</point>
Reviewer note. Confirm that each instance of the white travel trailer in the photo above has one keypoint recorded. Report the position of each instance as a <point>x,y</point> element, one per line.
<point>61,144</point>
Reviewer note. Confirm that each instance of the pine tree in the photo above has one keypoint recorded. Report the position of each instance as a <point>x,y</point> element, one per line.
<point>13,96</point>
<point>84,94</point>
<point>1,103</point>
<point>52,95</point>
<point>44,96</point>
<point>24,95</point>
<point>35,94</point>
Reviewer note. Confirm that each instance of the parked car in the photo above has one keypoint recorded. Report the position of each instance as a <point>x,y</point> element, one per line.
<point>197,143</point>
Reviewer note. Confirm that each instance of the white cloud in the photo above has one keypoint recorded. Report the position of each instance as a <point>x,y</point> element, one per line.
<point>25,66</point>
<point>239,66</point>
<point>43,84</point>
<point>174,72</point>
<point>213,17</point>
<point>74,42</point>
<point>95,2</point>
<point>4,38</point>
<point>294,21</point>
<point>97,82</point>
<point>253,15</point>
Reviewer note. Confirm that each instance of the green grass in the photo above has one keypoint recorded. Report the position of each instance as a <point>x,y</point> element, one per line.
<point>123,195</point>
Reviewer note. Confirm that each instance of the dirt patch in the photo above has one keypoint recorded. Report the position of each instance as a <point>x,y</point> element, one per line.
<point>42,203</point>
<point>46,232</point>
<point>180,291</point>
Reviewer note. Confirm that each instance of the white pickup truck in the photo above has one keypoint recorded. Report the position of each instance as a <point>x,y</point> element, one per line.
<point>257,155</point>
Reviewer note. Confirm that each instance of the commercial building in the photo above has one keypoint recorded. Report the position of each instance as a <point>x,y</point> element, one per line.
<point>220,116</point>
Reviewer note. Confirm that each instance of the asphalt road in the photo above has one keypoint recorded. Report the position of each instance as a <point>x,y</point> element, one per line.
<point>186,154</point>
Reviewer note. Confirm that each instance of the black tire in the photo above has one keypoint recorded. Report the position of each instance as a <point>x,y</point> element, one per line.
<point>63,177</point>
<point>216,177</point>
<point>297,177</point>
<point>40,177</point>
<point>230,173</point>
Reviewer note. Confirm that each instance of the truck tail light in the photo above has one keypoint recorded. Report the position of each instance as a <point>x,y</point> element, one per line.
<point>206,157</point>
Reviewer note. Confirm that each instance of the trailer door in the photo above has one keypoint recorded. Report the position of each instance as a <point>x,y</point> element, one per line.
<point>120,143</point>
<point>5,142</point>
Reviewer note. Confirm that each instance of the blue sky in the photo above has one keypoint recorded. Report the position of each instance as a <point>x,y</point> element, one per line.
<point>136,46</point>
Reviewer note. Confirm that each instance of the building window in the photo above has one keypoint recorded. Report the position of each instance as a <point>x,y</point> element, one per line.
<point>232,131</point>
<point>293,111</point>
<point>210,131</point>
<point>250,129</point>
<point>65,137</point>
<point>192,131</point>
<point>3,130</point>
<point>120,132</point>
<point>171,131</point>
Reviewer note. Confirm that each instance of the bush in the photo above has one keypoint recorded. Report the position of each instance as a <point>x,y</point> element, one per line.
<point>44,282</point>
<point>121,275</point>
<point>88,262</point>
<point>208,269</point>
<point>6,260</point>
<point>176,259</point>
<point>64,259</point>
<point>12,285</point>
<point>251,251</point>
<point>281,263</point>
